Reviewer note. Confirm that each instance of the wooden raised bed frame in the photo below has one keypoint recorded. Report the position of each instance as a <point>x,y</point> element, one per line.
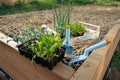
<point>94,68</point>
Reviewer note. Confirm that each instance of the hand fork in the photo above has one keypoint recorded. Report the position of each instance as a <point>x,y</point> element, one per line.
<point>87,51</point>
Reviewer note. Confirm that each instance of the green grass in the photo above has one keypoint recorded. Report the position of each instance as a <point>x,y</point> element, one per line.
<point>82,2</point>
<point>107,3</point>
<point>26,7</point>
<point>38,5</point>
<point>98,2</point>
<point>116,61</point>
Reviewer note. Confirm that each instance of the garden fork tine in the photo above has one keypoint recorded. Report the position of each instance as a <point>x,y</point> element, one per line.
<point>87,51</point>
<point>77,59</point>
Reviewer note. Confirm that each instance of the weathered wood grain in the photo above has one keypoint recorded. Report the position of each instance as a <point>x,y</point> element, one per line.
<point>20,68</point>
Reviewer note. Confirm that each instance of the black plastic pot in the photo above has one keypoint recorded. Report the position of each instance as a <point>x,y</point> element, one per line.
<point>52,62</point>
<point>25,51</point>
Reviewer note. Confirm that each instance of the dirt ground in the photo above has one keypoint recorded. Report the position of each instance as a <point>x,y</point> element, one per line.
<point>105,17</point>
<point>98,15</point>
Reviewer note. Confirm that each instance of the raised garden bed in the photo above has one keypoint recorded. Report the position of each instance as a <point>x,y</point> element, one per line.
<point>93,68</point>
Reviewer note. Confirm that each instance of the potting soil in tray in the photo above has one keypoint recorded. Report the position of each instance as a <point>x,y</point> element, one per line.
<point>77,34</point>
<point>4,75</point>
<point>25,51</point>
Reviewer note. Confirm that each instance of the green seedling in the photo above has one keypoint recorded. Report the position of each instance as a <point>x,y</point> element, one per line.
<point>26,35</point>
<point>61,18</point>
<point>77,29</point>
<point>46,45</point>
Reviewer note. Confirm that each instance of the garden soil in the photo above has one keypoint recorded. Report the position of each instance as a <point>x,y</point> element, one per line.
<point>105,17</point>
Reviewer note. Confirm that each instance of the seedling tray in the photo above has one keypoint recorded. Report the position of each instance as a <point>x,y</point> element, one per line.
<point>93,68</point>
<point>25,51</point>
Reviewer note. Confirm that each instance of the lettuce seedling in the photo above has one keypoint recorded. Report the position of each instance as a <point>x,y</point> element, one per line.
<point>46,45</point>
<point>77,29</point>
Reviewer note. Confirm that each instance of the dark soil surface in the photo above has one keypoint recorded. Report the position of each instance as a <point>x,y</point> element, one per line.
<point>105,17</point>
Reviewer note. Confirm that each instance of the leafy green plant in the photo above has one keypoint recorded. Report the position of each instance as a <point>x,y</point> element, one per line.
<point>20,7</point>
<point>61,18</point>
<point>82,2</point>
<point>46,45</point>
<point>27,34</point>
<point>77,29</point>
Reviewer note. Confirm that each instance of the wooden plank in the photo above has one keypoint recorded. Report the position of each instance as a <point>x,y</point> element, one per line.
<point>60,68</point>
<point>20,68</point>
<point>109,53</point>
<point>95,66</point>
<point>118,47</point>
<point>63,71</point>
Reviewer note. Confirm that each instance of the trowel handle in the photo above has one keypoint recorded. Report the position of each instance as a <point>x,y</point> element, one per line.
<point>67,36</point>
<point>96,46</point>
<point>100,44</point>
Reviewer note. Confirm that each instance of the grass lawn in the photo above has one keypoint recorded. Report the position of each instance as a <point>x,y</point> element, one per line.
<point>38,5</point>
<point>20,7</point>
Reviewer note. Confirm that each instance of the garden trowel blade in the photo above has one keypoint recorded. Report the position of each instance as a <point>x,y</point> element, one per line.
<point>69,50</point>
